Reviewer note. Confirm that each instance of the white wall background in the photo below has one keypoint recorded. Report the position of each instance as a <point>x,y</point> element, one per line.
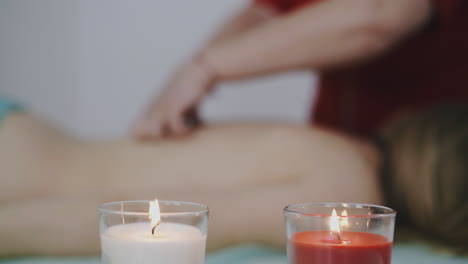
<point>91,66</point>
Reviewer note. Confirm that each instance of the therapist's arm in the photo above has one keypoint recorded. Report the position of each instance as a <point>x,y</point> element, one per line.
<point>191,80</point>
<point>244,20</point>
<point>329,34</point>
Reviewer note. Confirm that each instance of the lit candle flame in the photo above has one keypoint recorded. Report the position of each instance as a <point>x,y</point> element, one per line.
<point>334,223</point>
<point>154,214</point>
<point>344,220</point>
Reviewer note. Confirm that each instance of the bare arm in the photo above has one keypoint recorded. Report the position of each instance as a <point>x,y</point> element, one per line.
<point>328,34</point>
<point>192,79</point>
<point>243,21</point>
<point>240,172</point>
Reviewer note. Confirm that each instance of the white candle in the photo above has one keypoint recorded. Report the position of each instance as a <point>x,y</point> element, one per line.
<point>171,244</point>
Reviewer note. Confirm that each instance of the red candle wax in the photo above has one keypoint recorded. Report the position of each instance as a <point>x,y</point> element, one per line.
<point>322,247</point>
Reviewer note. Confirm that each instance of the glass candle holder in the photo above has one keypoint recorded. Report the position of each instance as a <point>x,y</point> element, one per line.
<point>339,233</point>
<point>127,233</point>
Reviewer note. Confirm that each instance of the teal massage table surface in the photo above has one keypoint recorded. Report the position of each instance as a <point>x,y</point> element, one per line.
<point>252,254</point>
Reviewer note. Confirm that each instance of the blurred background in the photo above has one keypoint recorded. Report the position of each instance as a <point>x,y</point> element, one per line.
<point>91,66</point>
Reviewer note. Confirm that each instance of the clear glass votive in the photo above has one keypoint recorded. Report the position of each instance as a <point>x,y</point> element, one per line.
<point>127,233</point>
<point>339,233</point>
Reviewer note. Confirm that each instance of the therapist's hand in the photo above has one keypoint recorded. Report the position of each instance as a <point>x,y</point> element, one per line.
<point>173,112</point>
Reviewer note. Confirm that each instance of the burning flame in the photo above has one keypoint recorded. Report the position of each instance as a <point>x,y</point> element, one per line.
<point>154,214</point>
<point>334,223</point>
<point>344,220</point>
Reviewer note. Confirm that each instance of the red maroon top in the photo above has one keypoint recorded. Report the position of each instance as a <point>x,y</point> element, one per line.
<point>429,68</point>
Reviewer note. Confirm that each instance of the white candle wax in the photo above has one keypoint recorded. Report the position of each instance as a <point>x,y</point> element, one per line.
<point>134,243</point>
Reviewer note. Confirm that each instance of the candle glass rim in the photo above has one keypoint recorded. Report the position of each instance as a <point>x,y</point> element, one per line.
<point>390,212</point>
<point>204,209</point>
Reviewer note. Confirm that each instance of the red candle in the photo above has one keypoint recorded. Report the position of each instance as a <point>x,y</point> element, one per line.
<point>325,247</point>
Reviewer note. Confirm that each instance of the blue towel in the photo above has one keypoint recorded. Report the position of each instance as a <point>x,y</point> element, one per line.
<point>253,254</point>
<point>6,106</point>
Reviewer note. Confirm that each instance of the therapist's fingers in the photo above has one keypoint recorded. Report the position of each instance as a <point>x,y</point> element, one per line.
<point>150,125</point>
<point>177,126</point>
<point>169,112</point>
<point>158,122</point>
<point>192,118</point>
<point>183,122</point>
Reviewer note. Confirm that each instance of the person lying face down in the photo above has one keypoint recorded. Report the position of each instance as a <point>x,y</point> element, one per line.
<point>52,183</point>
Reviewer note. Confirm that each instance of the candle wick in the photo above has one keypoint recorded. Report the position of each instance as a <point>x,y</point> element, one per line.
<point>154,227</point>
<point>337,235</point>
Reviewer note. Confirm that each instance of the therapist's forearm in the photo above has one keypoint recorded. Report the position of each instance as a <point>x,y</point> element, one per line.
<point>244,20</point>
<point>329,34</point>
